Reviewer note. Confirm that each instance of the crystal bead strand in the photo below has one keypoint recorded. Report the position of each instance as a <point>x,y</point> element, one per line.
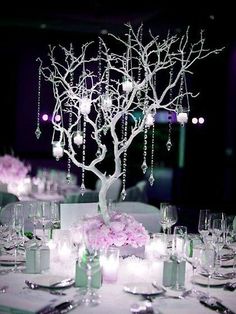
<point>68,177</point>
<point>124,164</point>
<point>144,164</point>
<point>38,131</point>
<point>151,178</point>
<point>82,187</point>
<point>98,152</point>
<point>169,142</point>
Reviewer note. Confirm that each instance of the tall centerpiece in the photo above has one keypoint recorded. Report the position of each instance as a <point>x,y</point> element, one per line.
<point>111,97</point>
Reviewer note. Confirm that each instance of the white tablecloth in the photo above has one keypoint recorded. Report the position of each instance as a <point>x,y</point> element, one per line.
<point>113,299</point>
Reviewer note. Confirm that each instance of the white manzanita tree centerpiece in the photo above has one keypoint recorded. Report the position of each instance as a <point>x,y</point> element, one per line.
<point>97,98</point>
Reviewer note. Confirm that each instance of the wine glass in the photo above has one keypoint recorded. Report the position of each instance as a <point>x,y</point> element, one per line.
<point>179,252</point>
<point>218,238</point>
<point>44,216</point>
<point>17,233</point>
<point>203,223</point>
<point>212,217</point>
<point>172,217</point>
<point>33,217</point>
<point>194,261</point>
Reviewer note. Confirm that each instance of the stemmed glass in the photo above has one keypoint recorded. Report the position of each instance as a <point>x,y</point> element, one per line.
<point>194,260</point>
<point>91,265</point>
<point>17,232</point>
<point>33,217</point>
<point>168,217</point>
<point>207,263</point>
<point>44,216</point>
<point>218,238</point>
<point>203,223</point>
<point>179,252</point>
<point>231,244</point>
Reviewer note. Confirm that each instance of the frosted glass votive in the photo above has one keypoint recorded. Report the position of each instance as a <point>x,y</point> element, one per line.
<point>109,261</point>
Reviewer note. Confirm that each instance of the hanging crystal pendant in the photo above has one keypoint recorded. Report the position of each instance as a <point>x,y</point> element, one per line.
<point>38,133</point>
<point>144,166</point>
<point>123,194</point>
<point>68,178</point>
<point>151,179</point>
<point>168,145</point>
<point>82,189</point>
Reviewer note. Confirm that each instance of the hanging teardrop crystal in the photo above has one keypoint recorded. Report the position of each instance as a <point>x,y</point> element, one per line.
<point>151,179</point>
<point>82,189</point>
<point>68,178</point>
<point>123,194</point>
<point>168,145</point>
<point>38,133</point>
<point>144,166</point>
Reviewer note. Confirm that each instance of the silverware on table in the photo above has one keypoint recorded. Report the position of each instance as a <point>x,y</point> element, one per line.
<point>215,304</point>
<point>34,286</point>
<point>231,286</point>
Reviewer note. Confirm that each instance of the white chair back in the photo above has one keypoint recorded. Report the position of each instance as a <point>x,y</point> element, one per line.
<point>147,214</point>
<point>72,213</point>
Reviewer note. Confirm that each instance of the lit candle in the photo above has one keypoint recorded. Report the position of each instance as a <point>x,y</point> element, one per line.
<point>78,139</point>
<point>85,105</point>
<point>182,117</point>
<point>110,264</point>
<point>64,251</point>
<point>149,120</point>
<point>57,150</point>
<point>127,86</point>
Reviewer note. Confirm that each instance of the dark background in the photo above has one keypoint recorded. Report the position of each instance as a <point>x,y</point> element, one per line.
<point>207,178</point>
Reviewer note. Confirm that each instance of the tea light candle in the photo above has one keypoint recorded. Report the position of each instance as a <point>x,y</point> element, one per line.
<point>64,251</point>
<point>155,248</point>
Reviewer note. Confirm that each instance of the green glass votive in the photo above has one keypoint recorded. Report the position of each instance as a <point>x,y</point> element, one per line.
<point>44,257</point>
<point>81,279</point>
<point>170,273</point>
<point>32,260</point>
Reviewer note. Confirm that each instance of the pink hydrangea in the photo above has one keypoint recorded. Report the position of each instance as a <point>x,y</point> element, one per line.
<point>12,169</point>
<point>122,230</point>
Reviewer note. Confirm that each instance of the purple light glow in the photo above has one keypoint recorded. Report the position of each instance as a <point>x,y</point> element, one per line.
<point>45,117</point>
<point>201,120</point>
<point>194,120</point>
<point>57,118</point>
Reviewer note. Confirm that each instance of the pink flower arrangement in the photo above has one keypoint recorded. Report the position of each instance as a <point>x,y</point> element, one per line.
<point>12,169</point>
<point>122,230</point>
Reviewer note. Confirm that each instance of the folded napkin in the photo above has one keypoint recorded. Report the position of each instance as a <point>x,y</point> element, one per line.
<point>26,302</point>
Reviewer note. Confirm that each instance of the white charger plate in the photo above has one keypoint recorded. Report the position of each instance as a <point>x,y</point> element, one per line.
<point>53,281</point>
<point>203,280</point>
<point>144,288</point>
